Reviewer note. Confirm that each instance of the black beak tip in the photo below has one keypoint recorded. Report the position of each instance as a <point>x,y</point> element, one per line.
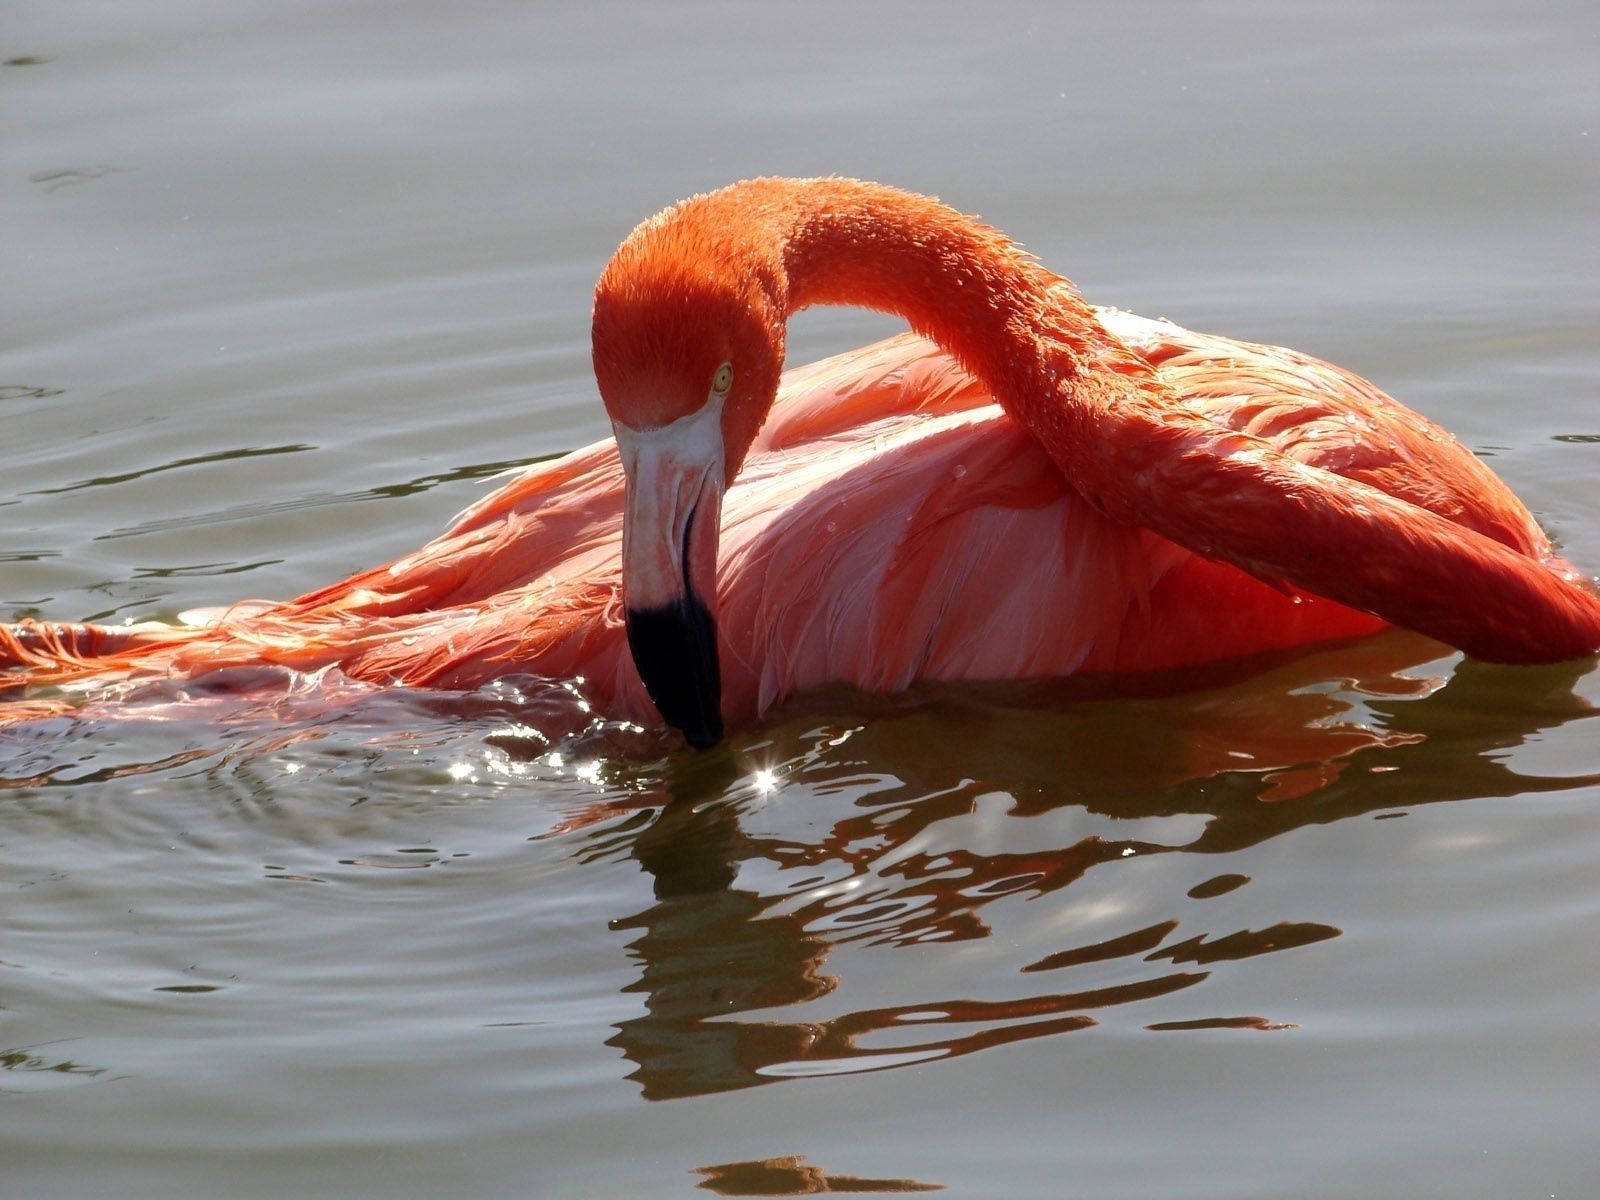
<point>703,737</point>
<point>675,649</point>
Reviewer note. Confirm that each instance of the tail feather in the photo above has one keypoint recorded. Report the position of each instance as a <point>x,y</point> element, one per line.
<point>36,652</point>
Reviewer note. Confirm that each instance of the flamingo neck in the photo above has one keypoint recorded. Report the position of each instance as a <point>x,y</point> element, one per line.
<point>958,282</point>
<point>1020,328</point>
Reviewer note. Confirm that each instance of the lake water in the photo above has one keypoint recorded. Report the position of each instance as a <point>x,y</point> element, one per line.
<point>285,281</point>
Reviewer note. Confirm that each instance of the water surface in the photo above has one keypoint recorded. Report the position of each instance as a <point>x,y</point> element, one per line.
<point>285,282</point>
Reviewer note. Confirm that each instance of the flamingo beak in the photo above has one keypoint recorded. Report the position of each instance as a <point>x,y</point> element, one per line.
<point>671,518</point>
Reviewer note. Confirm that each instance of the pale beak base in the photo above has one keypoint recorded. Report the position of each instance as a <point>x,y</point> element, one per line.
<point>669,567</point>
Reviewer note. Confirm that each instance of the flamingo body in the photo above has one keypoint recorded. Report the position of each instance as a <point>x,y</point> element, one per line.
<point>883,502</point>
<point>919,510</point>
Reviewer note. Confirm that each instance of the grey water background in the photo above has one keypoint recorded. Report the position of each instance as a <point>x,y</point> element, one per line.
<point>284,282</point>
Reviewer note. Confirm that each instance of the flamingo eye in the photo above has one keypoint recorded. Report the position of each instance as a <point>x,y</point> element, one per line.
<point>722,380</point>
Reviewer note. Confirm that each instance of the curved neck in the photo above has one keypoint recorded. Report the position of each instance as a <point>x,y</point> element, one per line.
<point>956,281</point>
<point>1020,328</point>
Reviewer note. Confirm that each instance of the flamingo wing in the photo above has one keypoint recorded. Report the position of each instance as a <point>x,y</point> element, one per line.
<point>1324,416</point>
<point>1384,517</point>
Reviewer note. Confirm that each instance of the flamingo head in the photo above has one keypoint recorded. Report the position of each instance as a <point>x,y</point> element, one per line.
<point>687,354</point>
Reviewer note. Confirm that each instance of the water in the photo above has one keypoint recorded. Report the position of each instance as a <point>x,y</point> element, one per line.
<point>285,281</point>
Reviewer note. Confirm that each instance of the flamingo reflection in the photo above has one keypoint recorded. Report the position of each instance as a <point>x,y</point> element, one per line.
<point>733,952</point>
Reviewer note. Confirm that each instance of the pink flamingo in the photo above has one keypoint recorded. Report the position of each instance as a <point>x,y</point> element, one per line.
<point>1032,487</point>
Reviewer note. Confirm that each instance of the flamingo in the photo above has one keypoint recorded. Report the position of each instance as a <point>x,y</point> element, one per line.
<point>1023,486</point>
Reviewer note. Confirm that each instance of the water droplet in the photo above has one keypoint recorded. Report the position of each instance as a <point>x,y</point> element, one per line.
<point>959,471</point>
